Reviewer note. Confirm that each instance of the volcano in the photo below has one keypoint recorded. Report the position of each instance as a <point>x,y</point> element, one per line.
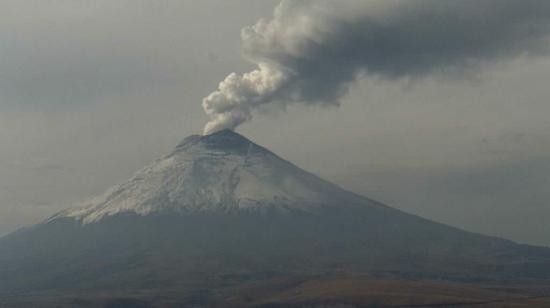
<point>221,210</point>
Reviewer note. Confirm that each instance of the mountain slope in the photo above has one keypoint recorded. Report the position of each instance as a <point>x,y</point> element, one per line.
<point>222,172</point>
<point>220,209</point>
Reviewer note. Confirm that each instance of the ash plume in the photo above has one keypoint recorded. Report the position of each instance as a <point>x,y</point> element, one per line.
<point>310,51</point>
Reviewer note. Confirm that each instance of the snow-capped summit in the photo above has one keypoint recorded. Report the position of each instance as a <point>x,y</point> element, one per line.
<point>220,209</point>
<point>222,171</point>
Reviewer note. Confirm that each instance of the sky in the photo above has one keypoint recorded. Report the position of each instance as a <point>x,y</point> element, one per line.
<point>91,91</point>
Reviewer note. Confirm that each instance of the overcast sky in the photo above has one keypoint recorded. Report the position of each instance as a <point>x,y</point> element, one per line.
<point>91,91</point>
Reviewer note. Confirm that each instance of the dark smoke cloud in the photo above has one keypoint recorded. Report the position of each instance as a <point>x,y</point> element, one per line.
<point>310,51</point>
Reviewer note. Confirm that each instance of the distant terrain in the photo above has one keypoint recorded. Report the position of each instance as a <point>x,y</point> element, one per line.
<point>306,292</point>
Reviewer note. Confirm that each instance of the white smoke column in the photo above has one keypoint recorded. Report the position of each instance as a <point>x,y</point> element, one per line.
<point>311,50</point>
<point>237,95</point>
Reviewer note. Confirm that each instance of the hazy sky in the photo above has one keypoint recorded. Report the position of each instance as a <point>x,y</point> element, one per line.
<point>90,91</point>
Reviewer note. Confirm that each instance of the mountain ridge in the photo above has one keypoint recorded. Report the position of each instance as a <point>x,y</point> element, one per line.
<point>221,169</point>
<point>221,210</point>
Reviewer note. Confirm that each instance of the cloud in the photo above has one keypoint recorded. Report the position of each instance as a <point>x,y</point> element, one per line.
<point>310,51</point>
<point>38,164</point>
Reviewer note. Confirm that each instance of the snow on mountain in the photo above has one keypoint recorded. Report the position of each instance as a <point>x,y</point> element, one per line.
<point>220,210</point>
<point>219,172</point>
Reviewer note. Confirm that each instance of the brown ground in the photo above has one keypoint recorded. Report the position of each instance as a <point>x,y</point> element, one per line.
<point>313,292</point>
<point>368,292</point>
